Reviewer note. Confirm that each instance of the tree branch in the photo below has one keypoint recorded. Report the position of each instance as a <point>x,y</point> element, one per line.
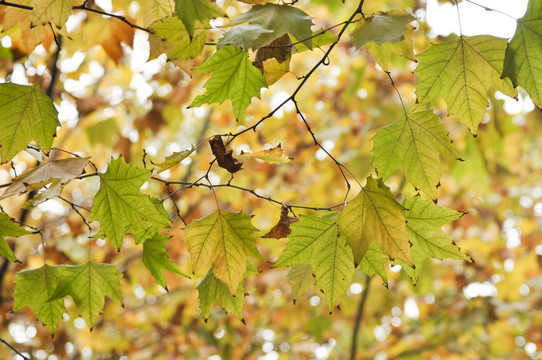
<point>359,318</point>
<point>12,348</point>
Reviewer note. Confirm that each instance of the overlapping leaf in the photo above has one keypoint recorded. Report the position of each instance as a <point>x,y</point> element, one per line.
<point>226,239</point>
<point>159,10</point>
<point>374,261</point>
<point>301,279</point>
<point>386,27</point>
<point>88,285</point>
<point>26,114</point>
<point>184,46</point>
<point>375,216</point>
<point>234,77</point>
<point>522,60</point>
<point>192,11</point>
<point>316,241</point>
<point>34,288</point>
<point>413,144</point>
<point>9,228</point>
<point>122,208</point>
<point>156,259</point>
<point>460,71</point>
<point>51,11</point>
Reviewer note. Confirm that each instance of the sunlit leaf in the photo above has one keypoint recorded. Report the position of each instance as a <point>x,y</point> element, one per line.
<point>386,27</point>
<point>192,11</point>
<point>51,11</point>
<point>374,262</point>
<point>173,159</point>
<point>156,259</point>
<point>301,279</point>
<point>272,156</point>
<point>184,47</point>
<point>9,228</point>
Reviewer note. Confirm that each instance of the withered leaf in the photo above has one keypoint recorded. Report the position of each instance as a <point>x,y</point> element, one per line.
<point>225,158</point>
<point>278,49</point>
<point>282,229</point>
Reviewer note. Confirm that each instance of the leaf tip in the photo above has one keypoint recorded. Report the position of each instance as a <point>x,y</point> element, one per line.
<point>243,321</point>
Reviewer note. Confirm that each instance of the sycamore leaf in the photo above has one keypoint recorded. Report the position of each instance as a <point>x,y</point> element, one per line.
<point>383,52</point>
<point>9,228</point>
<point>234,77</point>
<point>522,59</point>
<point>26,114</point>
<point>375,216</point>
<point>51,11</point>
<point>88,284</point>
<point>316,241</point>
<point>30,36</point>
<point>301,279</point>
<point>273,156</point>
<point>374,262</point>
<point>156,260</point>
<point>34,288</point>
<point>225,238</point>
<point>184,47</point>
<point>192,11</point>
<point>121,207</point>
<point>460,71</point>
<point>281,19</point>
<point>159,10</point>
<point>386,27</point>
<point>425,220</point>
<point>279,49</point>
<point>64,170</point>
<point>247,36</point>
<point>54,190</point>
<point>413,144</point>
<point>173,159</point>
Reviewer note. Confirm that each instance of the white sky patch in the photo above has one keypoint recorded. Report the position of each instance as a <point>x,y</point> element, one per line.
<point>478,289</point>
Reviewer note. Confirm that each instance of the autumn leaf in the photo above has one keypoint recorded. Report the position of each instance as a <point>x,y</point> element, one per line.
<point>121,207</point>
<point>33,288</point>
<point>173,159</point>
<point>385,27</point>
<point>226,239</point>
<point>51,11</point>
<point>373,262</point>
<point>62,170</point>
<point>159,10</point>
<point>88,285</point>
<point>460,71</point>
<point>224,157</point>
<point>523,53</point>
<point>280,19</point>
<point>9,228</point>
<point>184,47</point>
<point>414,144</point>
<point>234,78</point>
<point>282,229</point>
<point>301,279</point>
<point>192,11</point>
<point>374,216</point>
<point>247,36</point>
<point>26,114</point>
<point>273,156</point>
<point>156,259</point>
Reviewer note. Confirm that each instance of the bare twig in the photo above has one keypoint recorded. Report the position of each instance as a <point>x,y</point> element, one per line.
<point>359,319</point>
<point>15,350</point>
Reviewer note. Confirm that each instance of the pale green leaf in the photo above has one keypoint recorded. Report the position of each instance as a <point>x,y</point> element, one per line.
<point>522,60</point>
<point>51,11</point>
<point>383,52</point>
<point>184,47</point>
<point>226,239</point>
<point>34,288</point>
<point>280,19</point>
<point>375,216</point>
<point>374,262</point>
<point>156,259</point>
<point>159,10</point>
<point>301,279</point>
<point>460,71</point>
<point>122,208</point>
<point>173,159</point>
<point>413,144</point>
<point>320,38</point>
<point>213,291</point>
<point>192,11</point>
<point>425,220</point>
<point>386,27</point>
<point>245,36</point>
<point>9,228</point>
<point>234,78</point>
<point>26,114</point>
<point>88,285</point>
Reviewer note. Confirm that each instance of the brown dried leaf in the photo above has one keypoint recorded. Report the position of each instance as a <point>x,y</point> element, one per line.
<point>282,229</point>
<point>224,158</point>
<point>281,53</point>
<point>272,156</point>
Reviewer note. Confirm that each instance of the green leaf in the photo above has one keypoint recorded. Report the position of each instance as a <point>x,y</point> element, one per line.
<point>280,19</point>
<point>301,279</point>
<point>383,52</point>
<point>212,290</point>
<point>34,288</point>
<point>425,220</point>
<point>173,159</point>
<point>460,72</point>
<point>320,38</point>
<point>192,11</point>
<point>386,27</point>
<point>226,239</point>
<point>234,77</point>
<point>156,259</point>
<point>414,144</point>
<point>522,59</point>
<point>26,114</point>
<point>245,36</point>
<point>374,262</point>
<point>185,46</point>
<point>88,285</point>
<point>159,10</point>
<point>121,207</point>
<point>9,228</point>
<point>316,241</point>
<point>51,11</point>
<point>374,216</point>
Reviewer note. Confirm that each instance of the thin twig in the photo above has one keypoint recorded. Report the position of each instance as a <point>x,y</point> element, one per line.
<point>15,350</point>
<point>359,318</point>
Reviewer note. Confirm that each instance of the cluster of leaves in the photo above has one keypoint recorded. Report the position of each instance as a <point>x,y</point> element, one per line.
<point>366,233</point>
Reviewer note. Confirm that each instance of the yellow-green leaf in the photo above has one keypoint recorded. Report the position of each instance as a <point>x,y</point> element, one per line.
<point>9,228</point>
<point>272,156</point>
<point>156,259</point>
<point>301,279</point>
<point>374,262</point>
<point>386,27</point>
<point>184,47</point>
<point>51,11</point>
<point>173,159</point>
<point>192,11</point>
